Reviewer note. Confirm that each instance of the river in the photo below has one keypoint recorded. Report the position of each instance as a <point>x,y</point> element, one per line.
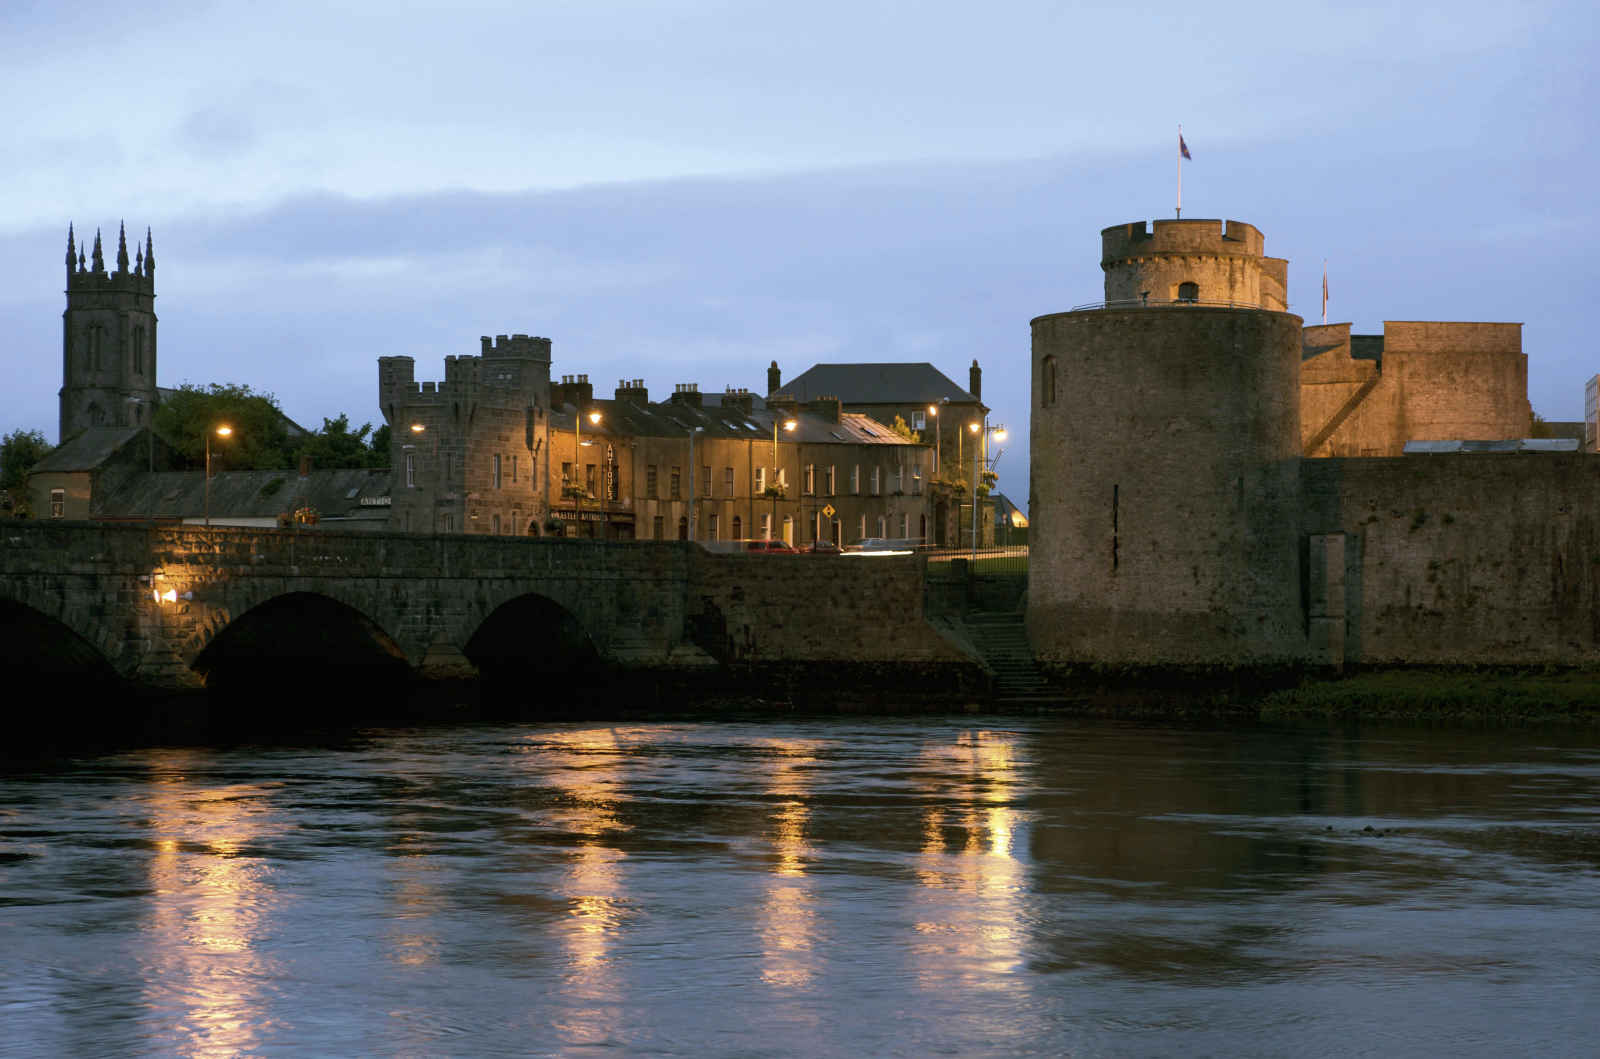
<point>981,886</point>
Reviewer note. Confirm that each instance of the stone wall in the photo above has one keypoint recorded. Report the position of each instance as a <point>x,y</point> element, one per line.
<point>1471,559</point>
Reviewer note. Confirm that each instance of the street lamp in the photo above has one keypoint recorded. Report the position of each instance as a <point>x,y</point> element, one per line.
<point>222,430</point>
<point>577,466</point>
<point>938,433</point>
<point>983,431</point>
<point>789,423</point>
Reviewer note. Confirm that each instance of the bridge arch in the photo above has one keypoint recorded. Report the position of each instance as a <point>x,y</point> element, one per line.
<point>36,644</point>
<point>68,620</point>
<point>302,651</point>
<point>532,651</point>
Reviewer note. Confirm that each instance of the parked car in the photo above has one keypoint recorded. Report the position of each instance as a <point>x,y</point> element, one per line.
<point>877,546</point>
<point>823,547</point>
<point>768,547</point>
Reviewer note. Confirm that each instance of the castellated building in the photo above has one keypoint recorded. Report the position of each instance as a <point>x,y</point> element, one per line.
<point>1214,484</point>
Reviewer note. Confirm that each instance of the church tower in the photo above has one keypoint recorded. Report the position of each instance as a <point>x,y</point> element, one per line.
<point>108,338</point>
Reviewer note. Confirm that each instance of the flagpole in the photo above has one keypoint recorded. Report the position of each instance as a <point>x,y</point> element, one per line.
<point>1324,290</point>
<point>1180,172</point>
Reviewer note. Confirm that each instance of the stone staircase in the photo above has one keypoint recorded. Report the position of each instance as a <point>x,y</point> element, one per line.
<point>1002,642</point>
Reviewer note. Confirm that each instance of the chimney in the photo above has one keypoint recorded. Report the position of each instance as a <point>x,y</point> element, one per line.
<point>574,390</point>
<point>975,379</point>
<point>774,377</point>
<point>633,391</point>
<point>687,393</point>
<point>740,400</point>
<point>783,403</point>
<point>824,408</point>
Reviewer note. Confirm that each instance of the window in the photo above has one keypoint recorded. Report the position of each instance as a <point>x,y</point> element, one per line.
<point>675,484</point>
<point>727,481</point>
<point>905,525</point>
<point>138,351</point>
<point>1188,292</point>
<point>761,479</point>
<point>447,523</point>
<point>831,477</point>
<point>566,474</point>
<point>1047,382</point>
<point>588,479</point>
<point>683,527</point>
<point>738,528</point>
<point>58,503</point>
<point>810,480</point>
<point>494,474</point>
<point>494,525</point>
<point>855,480</point>
<point>919,420</point>
<point>900,478</point>
<point>788,530</point>
<point>705,479</point>
<point>861,532</point>
<point>883,526</point>
<point>513,468</point>
<point>766,526</point>
<point>877,481</point>
<point>411,470</point>
<point>658,528</point>
<point>916,481</point>
<point>714,527</point>
<point>650,481</point>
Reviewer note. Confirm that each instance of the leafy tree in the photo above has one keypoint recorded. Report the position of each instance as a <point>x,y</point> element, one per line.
<point>19,451</point>
<point>903,428</point>
<point>380,447</point>
<point>260,438</point>
<point>337,446</point>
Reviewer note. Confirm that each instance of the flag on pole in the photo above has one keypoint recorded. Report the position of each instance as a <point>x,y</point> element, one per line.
<point>1324,290</point>
<point>1183,148</point>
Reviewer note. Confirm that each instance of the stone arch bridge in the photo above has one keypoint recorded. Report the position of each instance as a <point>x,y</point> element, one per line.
<point>150,601</point>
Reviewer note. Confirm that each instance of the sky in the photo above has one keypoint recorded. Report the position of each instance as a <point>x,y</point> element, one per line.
<point>685,190</point>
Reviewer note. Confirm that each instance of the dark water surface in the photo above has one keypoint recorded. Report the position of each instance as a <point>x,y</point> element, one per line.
<point>917,887</point>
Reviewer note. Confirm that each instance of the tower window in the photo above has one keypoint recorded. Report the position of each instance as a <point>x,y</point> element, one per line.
<point>1047,382</point>
<point>1188,292</point>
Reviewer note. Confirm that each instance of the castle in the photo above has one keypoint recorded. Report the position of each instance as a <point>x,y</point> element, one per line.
<point>1181,517</point>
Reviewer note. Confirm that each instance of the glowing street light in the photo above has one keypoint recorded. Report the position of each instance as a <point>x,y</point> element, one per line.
<point>789,423</point>
<point>222,430</point>
<point>984,432</point>
<point>577,465</point>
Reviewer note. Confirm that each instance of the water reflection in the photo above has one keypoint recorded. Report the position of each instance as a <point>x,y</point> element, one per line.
<point>788,920</point>
<point>205,979</point>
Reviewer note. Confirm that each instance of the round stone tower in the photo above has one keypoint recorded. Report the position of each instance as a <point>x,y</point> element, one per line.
<point>1204,262</point>
<point>1165,449</point>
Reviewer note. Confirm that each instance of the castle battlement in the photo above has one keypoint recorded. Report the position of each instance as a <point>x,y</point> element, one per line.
<point>523,346</point>
<point>1206,237</point>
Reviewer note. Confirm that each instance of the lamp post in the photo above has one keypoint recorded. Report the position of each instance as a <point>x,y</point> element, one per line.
<point>982,431</point>
<point>694,502</point>
<point>938,433</point>
<point>222,430</point>
<point>789,423</point>
<point>577,467</point>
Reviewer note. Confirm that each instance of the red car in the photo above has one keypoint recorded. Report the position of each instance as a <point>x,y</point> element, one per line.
<point>772,547</point>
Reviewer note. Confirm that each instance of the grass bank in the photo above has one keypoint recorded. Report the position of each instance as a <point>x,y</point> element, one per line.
<point>1450,695</point>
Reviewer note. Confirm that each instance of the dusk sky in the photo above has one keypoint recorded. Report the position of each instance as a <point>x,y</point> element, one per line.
<point>685,191</point>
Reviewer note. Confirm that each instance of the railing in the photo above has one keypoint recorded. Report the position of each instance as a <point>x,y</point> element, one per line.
<point>1152,303</point>
<point>997,561</point>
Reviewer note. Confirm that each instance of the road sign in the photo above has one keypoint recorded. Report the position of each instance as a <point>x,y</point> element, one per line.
<point>827,511</point>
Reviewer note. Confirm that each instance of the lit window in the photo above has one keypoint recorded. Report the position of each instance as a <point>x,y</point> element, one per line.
<point>761,479</point>
<point>58,503</point>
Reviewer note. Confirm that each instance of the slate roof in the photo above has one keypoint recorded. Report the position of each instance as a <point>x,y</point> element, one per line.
<point>88,450</point>
<point>671,419</point>
<point>336,494</point>
<point>886,383</point>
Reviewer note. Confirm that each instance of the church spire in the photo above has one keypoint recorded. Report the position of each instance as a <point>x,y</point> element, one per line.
<point>72,249</point>
<point>149,255</point>
<point>99,258</point>
<point>122,247</point>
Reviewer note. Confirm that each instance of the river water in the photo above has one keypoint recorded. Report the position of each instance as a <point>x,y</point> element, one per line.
<point>895,887</point>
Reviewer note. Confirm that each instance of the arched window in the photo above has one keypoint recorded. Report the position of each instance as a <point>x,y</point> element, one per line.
<point>683,527</point>
<point>1188,292</point>
<point>738,528</point>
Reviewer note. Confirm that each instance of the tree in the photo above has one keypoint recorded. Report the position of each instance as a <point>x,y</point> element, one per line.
<point>380,447</point>
<point>903,428</point>
<point>260,438</point>
<point>337,446</point>
<point>19,451</point>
